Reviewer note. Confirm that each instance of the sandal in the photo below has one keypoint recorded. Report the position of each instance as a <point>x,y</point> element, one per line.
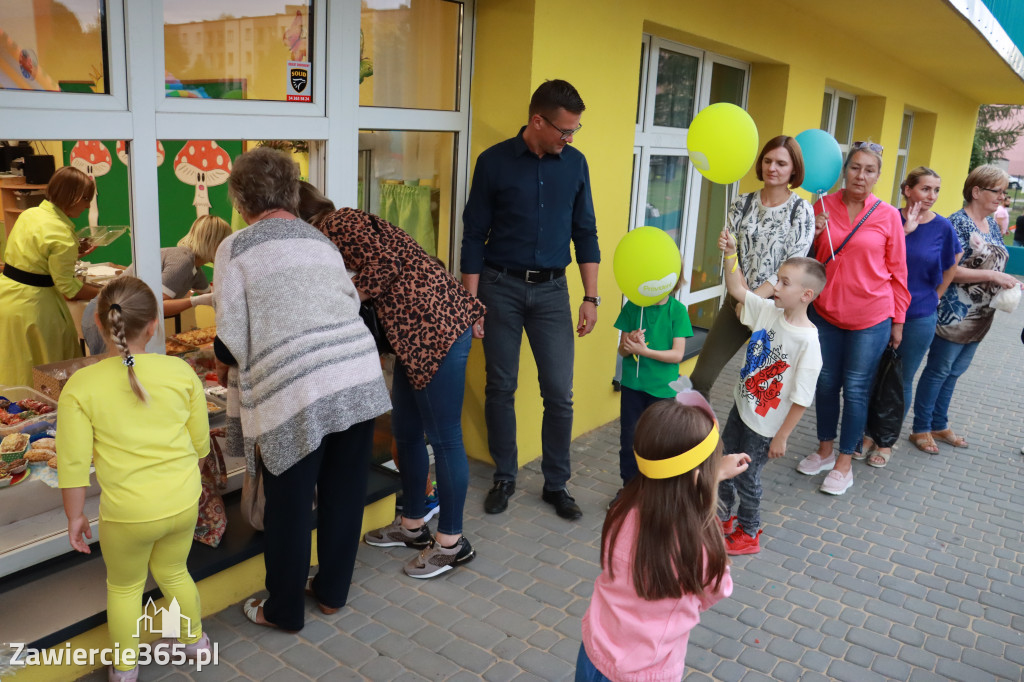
<point>324,609</point>
<point>253,610</point>
<point>884,458</point>
<point>924,443</point>
<point>947,436</point>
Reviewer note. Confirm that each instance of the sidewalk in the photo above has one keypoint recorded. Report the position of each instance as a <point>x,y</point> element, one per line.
<point>914,574</point>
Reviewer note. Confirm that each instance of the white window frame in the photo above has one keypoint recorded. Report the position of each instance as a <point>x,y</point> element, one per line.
<point>902,154</point>
<point>651,140</point>
<point>830,126</point>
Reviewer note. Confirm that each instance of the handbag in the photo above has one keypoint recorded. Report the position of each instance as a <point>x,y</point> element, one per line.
<point>372,322</point>
<point>253,498</point>
<point>213,519</point>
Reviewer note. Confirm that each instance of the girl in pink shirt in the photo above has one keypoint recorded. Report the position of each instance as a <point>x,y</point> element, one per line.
<point>662,550</point>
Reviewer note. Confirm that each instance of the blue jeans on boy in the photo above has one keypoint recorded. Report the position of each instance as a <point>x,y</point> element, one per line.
<point>632,404</point>
<point>917,338</point>
<point>542,310</point>
<point>436,411</point>
<point>585,669</point>
<point>849,360</point>
<point>947,360</point>
<point>738,437</point>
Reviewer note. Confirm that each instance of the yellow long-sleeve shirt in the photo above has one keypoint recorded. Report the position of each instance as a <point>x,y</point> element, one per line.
<point>146,454</point>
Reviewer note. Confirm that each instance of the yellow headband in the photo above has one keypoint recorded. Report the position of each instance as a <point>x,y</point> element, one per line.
<point>680,464</point>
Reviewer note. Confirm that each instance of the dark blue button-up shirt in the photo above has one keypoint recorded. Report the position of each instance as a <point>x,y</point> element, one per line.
<point>523,210</point>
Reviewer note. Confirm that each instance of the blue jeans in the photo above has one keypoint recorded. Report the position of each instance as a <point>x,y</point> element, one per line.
<point>917,337</point>
<point>738,437</point>
<point>437,411</point>
<point>632,404</point>
<point>585,670</point>
<point>90,331</point>
<point>947,360</point>
<point>849,361</point>
<point>542,310</point>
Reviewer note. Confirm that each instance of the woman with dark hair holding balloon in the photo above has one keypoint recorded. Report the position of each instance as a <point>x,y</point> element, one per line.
<point>771,225</point>
<point>859,238</point>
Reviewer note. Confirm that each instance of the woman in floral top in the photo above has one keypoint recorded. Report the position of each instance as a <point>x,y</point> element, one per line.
<point>427,317</point>
<point>964,315</point>
<point>771,225</point>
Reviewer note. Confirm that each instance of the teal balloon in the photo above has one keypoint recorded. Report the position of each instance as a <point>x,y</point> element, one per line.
<point>646,265</point>
<point>823,160</point>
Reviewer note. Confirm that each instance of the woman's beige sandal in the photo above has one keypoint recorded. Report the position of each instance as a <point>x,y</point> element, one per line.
<point>947,436</point>
<point>924,443</point>
<point>879,458</point>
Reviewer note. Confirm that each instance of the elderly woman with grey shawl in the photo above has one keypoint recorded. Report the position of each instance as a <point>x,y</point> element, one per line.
<point>304,386</point>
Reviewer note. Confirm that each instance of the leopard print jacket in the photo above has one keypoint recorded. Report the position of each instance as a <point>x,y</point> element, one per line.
<point>420,305</point>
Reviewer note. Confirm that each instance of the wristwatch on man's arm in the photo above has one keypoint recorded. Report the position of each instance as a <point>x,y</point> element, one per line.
<point>596,300</point>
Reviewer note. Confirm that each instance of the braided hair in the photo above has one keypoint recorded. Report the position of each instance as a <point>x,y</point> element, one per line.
<point>125,307</point>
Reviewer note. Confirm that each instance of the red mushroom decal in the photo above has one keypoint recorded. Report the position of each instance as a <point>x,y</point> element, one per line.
<point>122,152</point>
<point>203,164</point>
<point>93,159</point>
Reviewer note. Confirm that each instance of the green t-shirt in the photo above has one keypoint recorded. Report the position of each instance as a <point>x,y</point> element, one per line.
<point>664,323</point>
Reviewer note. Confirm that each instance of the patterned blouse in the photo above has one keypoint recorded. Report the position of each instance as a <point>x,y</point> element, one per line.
<point>422,308</point>
<point>964,315</point>
<point>767,236</point>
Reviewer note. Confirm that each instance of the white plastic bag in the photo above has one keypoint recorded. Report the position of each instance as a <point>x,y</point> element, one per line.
<point>1006,299</point>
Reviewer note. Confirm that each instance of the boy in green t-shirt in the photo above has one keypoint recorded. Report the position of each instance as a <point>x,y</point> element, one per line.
<point>658,346</point>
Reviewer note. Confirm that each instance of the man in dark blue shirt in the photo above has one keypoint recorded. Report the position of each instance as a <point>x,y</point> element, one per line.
<point>530,197</point>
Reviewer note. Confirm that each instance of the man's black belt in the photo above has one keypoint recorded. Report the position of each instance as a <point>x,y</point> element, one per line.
<point>529,276</point>
<point>30,278</point>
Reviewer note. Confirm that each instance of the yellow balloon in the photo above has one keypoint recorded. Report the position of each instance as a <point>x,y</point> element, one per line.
<point>646,265</point>
<point>722,142</point>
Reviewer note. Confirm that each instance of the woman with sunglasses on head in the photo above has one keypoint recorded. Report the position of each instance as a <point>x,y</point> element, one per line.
<point>964,314</point>
<point>932,253</point>
<point>771,226</point>
<point>859,238</point>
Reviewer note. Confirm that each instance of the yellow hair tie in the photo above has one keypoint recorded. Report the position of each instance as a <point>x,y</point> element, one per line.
<point>680,464</point>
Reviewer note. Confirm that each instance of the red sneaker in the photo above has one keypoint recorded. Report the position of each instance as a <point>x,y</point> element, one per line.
<point>738,542</point>
<point>727,526</point>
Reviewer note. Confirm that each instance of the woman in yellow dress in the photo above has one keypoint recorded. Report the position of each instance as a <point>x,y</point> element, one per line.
<point>39,274</point>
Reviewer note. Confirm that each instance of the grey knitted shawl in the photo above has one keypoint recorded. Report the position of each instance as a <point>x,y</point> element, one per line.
<point>307,365</point>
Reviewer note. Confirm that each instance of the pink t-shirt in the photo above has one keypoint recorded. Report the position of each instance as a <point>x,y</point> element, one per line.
<point>867,281</point>
<point>1002,217</point>
<point>630,639</point>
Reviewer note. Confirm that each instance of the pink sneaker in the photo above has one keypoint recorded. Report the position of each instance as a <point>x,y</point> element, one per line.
<point>837,483</point>
<point>815,463</point>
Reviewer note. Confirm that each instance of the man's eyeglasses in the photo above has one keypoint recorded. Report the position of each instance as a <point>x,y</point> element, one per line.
<point>873,146</point>
<point>1001,193</point>
<point>566,134</point>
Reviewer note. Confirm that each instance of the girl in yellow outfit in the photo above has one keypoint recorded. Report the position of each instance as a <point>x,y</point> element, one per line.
<point>39,273</point>
<point>142,417</point>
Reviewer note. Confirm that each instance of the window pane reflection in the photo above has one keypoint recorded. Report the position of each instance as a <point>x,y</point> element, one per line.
<point>677,85</point>
<point>410,54</point>
<point>238,49</point>
<point>406,178</point>
<point>707,259</point>
<point>666,184</point>
<point>55,46</point>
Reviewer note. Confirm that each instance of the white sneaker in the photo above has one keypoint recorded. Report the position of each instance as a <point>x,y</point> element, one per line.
<point>837,483</point>
<point>814,463</point>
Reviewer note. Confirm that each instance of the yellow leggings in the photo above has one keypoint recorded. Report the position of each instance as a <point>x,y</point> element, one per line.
<point>163,546</point>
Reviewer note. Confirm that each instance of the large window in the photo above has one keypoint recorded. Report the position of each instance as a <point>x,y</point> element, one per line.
<point>901,157</point>
<point>838,110</point>
<point>676,82</point>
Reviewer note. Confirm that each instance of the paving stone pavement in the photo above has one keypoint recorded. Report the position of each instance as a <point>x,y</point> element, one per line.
<point>914,574</point>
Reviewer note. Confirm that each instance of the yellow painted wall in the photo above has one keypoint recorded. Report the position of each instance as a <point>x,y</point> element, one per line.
<point>520,44</point>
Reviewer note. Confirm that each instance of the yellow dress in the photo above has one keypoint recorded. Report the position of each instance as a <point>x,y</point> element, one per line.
<point>36,326</point>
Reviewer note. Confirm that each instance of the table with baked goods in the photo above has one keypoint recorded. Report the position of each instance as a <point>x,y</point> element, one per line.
<point>31,508</point>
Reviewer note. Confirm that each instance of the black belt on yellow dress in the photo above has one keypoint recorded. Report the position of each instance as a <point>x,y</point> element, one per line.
<point>30,278</point>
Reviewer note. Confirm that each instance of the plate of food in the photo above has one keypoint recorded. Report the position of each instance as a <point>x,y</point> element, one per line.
<point>174,347</point>
<point>197,337</point>
<point>99,235</point>
<point>12,473</point>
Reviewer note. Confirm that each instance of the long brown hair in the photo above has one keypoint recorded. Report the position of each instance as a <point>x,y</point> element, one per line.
<point>679,546</point>
<point>313,205</point>
<point>125,307</point>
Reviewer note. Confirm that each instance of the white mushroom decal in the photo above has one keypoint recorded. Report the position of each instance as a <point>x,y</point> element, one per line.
<point>203,164</point>
<point>122,152</point>
<point>93,159</point>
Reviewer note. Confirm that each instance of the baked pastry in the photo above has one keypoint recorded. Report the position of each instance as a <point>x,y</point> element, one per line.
<point>198,337</point>
<point>173,347</point>
<point>52,462</point>
<point>14,442</point>
<point>45,444</point>
<point>40,454</point>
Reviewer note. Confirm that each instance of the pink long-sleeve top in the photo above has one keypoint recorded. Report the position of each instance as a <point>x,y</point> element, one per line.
<point>630,639</point>
<point>867,281</point>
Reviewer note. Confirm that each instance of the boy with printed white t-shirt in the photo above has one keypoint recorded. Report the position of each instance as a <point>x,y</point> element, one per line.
<point>777,384</point>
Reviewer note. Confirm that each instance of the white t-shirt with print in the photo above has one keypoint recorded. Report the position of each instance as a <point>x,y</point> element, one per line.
<point>780,367</point>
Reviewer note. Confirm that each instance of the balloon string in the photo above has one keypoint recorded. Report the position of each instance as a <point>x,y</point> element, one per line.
<point>828,232</point>
<point>641,326</point>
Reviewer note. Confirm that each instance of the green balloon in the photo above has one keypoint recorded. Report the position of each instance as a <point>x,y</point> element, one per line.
<point>722,142</point>
<point>646,265</point>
